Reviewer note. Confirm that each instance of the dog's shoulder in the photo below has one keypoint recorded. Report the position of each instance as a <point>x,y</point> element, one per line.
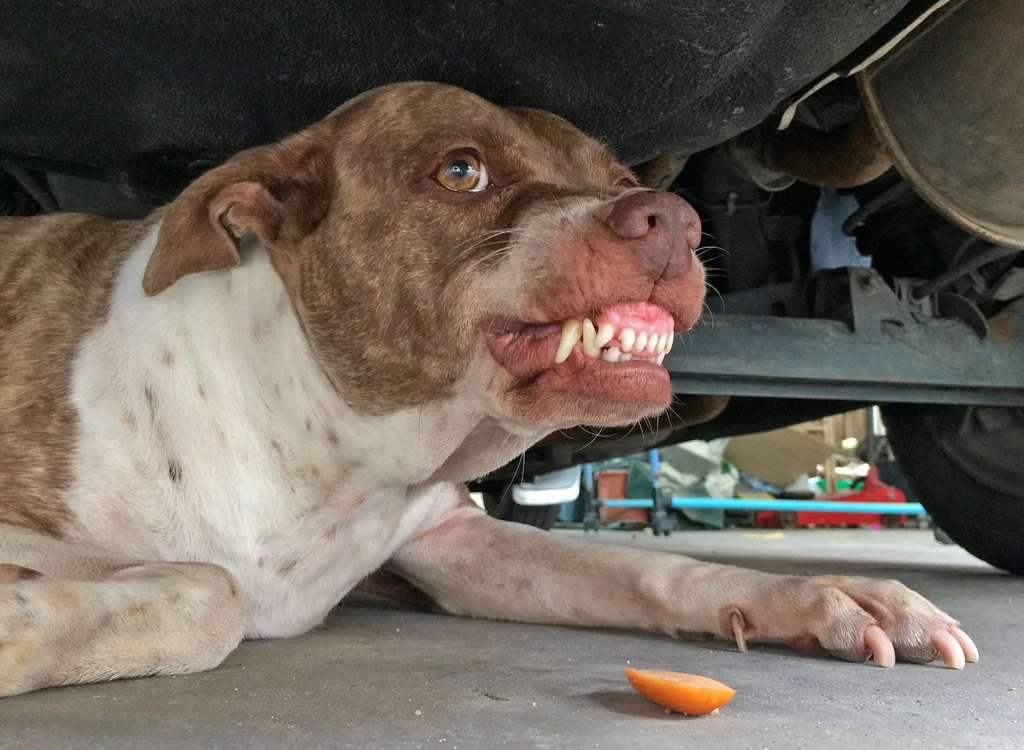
<point>56,277</point>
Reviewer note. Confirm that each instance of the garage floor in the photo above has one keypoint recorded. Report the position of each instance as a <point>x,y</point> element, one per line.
<point>381,677</point>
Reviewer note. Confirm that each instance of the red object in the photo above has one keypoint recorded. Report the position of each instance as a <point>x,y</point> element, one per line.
<point>611,485</point>
<point>874,490</point>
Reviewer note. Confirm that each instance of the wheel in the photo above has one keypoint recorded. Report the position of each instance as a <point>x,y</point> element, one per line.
<point>966,465</point>
<point>503,507</point>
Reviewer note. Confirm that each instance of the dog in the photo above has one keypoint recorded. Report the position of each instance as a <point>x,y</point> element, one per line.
<point>217,421</point>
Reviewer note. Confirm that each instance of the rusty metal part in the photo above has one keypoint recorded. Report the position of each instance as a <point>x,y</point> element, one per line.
<point>843,159</point>
<point>746,153</point>
<point>772,159</point>
<point>962,269</point>
<point>948,103</point>
<point>1008,326</point>
<point>660,172</point>
<point>957,307</point>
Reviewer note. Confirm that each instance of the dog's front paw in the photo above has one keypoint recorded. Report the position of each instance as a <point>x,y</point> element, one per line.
<point>853,619</point>
<point>19,631</point>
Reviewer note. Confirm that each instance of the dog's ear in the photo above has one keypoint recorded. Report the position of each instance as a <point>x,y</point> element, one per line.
<point>280,193</point>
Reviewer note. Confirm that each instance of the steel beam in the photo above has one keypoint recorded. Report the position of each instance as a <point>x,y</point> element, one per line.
<point>863,343</point>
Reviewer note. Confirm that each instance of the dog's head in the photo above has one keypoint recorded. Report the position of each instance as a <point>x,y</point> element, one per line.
<point>434,245</point>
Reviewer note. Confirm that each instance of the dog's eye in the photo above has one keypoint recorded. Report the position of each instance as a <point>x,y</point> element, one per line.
<point>463,172</point>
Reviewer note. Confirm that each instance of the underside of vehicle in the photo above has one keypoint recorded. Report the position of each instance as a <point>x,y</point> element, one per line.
<point>856,167</point>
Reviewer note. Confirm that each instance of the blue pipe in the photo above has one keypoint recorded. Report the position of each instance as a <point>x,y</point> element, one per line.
<point>652,456</point>
<point>778,505</point>
<point>588,476</point>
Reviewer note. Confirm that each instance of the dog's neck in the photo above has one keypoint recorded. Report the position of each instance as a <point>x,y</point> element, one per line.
<point>242,322</point>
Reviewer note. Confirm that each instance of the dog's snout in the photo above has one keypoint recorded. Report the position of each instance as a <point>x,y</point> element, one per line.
<point>660,229</point>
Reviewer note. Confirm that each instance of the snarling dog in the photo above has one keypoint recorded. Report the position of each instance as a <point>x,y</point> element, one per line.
<point>215,422</point>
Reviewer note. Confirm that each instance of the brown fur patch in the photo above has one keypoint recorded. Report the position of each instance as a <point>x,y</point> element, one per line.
<point>56,279</point>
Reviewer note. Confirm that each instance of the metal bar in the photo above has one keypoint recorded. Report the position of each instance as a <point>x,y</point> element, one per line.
<point>754,355</point>
<point>778,505</point>
<point>844,334</point>
<point>869,393</point>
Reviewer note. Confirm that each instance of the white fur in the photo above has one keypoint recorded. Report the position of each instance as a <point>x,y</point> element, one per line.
<point>298,525</point>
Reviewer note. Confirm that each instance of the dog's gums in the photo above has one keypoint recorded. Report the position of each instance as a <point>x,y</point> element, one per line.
<point>620,333</point>
<point>615,353</point>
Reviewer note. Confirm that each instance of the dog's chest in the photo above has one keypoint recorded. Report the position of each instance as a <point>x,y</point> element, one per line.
<point>179,482</point>
<point>187,450</point>
<point>173,469</point>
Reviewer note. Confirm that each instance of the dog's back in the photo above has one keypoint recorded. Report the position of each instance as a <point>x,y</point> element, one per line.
<point>56,274</point>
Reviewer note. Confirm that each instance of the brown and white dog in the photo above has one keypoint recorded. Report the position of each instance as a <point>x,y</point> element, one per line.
<point>215,422</point>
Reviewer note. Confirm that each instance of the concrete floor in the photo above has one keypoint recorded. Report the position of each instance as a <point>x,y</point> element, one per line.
<point>381,677</point>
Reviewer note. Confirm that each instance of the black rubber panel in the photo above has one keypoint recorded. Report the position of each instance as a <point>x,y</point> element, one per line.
<point>987,523</point>
<point>504,508</point>
<point>147,93</point>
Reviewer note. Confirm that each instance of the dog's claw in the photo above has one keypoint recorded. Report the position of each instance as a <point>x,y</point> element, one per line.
<point>970,650</point>
<point>737,630</point>
<point>949,647</point>
<point>880,646</point>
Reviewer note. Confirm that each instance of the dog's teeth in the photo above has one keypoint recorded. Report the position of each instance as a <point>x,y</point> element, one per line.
<point>590,347</point>
<point>572,330</point>
<point>625,357</point>
<point>627,336</point>
<point>641,341</point>
<point>611,354</point>
<point>662,343</point>
<point>660,358</point>
<point>605,332</point>
<point>652,343</point>
<point>668,344</point>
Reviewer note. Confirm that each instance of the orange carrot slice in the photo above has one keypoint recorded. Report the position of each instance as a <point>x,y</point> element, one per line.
<point>685,693</point>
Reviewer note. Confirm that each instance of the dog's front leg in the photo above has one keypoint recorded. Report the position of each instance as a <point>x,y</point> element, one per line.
<point>68,617</point>
<point>472,564</point>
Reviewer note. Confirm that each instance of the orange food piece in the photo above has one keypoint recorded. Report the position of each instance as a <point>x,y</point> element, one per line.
<point>685,693</point>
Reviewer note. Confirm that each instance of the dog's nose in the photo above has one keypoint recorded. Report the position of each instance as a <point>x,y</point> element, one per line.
<point>660,229</point>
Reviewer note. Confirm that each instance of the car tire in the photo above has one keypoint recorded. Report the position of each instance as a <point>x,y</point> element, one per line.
<point>966,465</point>
<point>503,507</point>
